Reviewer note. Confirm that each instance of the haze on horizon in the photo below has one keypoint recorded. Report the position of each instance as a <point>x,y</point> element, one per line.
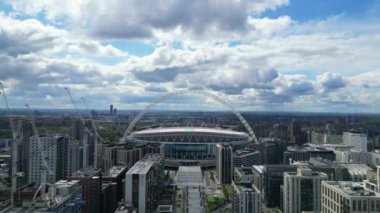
<point>260,55</point>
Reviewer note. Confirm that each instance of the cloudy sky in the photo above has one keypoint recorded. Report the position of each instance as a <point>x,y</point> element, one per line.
<point>291,55</point>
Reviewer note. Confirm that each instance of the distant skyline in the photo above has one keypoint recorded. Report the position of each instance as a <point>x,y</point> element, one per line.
<point>264,55</point>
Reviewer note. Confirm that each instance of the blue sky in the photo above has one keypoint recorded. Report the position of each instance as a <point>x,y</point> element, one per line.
<point>294,55</point>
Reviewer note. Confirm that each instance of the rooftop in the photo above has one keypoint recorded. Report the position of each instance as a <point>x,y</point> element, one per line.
<point>115,171</point>
<point>88,172</point>
<point>351,188</point>
<point>141,167</point>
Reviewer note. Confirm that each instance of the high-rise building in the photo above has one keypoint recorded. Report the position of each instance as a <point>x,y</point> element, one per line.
<point>246,158</point>
<point>271,150</point>
<point>108,156</point>
<point>23,150</point>
<point>91,181</point>
<point>295,133</point>
<point>340,125</point>
<point>108,201</point>
<point>246,198</point>
<point>224,166</point>
<point>302,190</point>
<point>116,174</point>
<point>144,182</point>
<point>280,131</point>
<point>75,159</point>
<point>348,196</point>
<point>249,174</point>
<point>358,140</point>
<point>56,151</point>
<point>111,109</point>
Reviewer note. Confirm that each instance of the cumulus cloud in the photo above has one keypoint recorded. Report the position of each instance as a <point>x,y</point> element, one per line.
<point>136,19</point>
<point>193,50</point>
<point>366,80</point>
<point>23,37</point>
<point>330,81</point>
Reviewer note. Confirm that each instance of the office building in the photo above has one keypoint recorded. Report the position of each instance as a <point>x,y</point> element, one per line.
<point>302,190</point>
<point>111,109</point>
<point>144,182</point>
<point>353,156</point>
<point>56,152</point>
<point>348,196</point>
<point>307,152</point>
<point>249,174</point>
<point>274,178</point>
<point>224,167</point>
<point>246,198</point>
<point>329,138</point>
<point>246,158</point>
<point>271,150</point>
<point>357,140</point>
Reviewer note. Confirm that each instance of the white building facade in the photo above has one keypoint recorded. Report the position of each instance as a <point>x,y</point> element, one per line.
<point>357,140</point>
<point>302,190</point>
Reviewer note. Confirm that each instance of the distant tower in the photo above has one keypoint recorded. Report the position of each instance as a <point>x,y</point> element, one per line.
<point>111,109</point>
<point>295,133</point>
<point>115,111</point>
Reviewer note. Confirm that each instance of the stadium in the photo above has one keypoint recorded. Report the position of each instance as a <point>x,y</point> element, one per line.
<point>194,146</point>
<point>190,145</point>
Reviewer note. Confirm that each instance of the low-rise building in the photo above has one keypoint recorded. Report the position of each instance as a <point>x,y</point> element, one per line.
<point>348,196</point>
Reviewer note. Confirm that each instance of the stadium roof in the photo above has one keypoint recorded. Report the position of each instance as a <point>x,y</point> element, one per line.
<point>198,130</point>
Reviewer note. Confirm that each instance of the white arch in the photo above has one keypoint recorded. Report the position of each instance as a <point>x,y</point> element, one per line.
<point>196,92</point>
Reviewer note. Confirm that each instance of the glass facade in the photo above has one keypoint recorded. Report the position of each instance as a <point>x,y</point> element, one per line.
<point>190,151</point>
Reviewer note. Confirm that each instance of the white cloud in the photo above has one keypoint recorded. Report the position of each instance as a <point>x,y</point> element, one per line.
<point>278,62</point>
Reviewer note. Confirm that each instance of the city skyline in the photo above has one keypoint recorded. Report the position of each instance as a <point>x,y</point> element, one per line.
<point>260,55</point>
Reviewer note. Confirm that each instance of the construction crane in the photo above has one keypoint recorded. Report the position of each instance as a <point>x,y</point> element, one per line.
<point>85,138</point>
<point>15,142</point>
<point>97,136</point>
<point>45,167</point>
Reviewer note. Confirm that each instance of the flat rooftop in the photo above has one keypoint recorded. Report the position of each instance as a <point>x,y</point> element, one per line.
<point>115,171</point>
<point>88,172</point>
<point>141,167</point>
<point>352,188</point>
